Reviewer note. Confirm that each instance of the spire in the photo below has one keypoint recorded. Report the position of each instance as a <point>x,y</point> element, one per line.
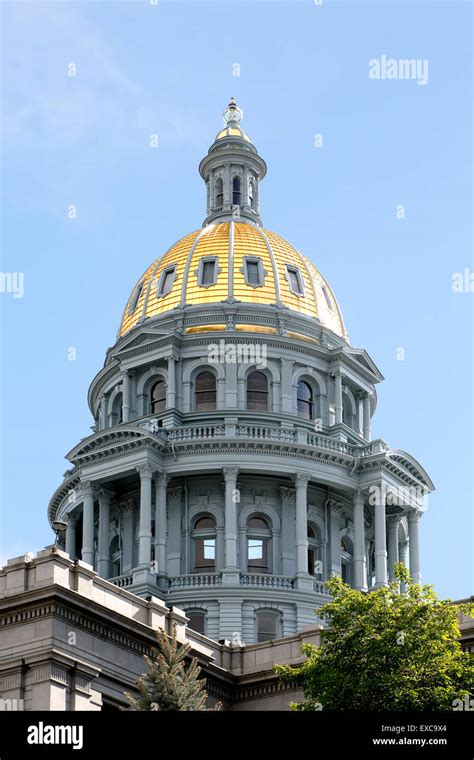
<point>232,171</point>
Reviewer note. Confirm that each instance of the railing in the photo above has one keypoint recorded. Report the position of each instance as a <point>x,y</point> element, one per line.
<point>122,581</point>
<point>265,433</point>
<point>266,581</point>
<point>196,580</point>
<point>202,432</point>
<point>261,433</point>
<point>319,588</point>
<point>322,442</point>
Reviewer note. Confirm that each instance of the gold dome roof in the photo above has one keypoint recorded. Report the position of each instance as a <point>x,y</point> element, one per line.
<point>231,243</point>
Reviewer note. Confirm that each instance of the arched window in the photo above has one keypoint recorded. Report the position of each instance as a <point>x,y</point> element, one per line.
<point>236,195</point>
<point>268,624</point>
<point>314,550</point>
<point>204,539</point>
<point>158,397</point>
<point>257,392</point>
<point>116,416</point>
<point>197,620</point>
<point>205,392</point>
<point>219,193</point>
<point>304,400</point>
<point>258,544</point>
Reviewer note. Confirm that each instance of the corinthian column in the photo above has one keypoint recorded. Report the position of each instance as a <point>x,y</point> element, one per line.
<point>71,536</point>
<point>360,564</point>
<point>88,523</point>
<point>393,523</point>
<point>160,522</point>
<point>230,527</point>
<point>380,538</point>
<point>403,546</point>
<point>301,482</point>
<point>338,397</point>
<point>144,533</point>
<point>413,522</point>
<point>125,396</point>
<point>103,563</point>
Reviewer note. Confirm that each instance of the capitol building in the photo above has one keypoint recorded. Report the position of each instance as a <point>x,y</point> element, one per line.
<point>234,490</point>
<point>231,470</point>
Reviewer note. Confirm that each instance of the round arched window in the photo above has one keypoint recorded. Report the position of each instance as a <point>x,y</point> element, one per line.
<point>158,397</point>
<point>304,398</point>
<point>205,392</point>
<point>257,392</point>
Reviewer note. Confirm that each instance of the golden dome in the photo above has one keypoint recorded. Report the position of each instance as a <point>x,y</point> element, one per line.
<point>286,277</point>
<point>233,132</point>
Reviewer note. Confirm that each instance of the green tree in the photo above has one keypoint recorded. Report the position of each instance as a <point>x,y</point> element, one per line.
<point>169,683</point>
<point>385,651</point>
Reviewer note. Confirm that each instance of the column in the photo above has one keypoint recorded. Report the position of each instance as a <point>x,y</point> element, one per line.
<point>338,397</point>
<point>380,538</point>
<point>336,514</point>
<point>71,536</point>
<point>245,188</point>
<point>414,517</point>
<point>125,396</point>
<point>103,412</point>
<point>171,396</point>
<point>366,429</point>
<point>301,482</point>
<point>144,533</point>
<point>227,187</point>
<point>402,550</point>
<point>360,413</point>
<point>230,537</point>
<point>393,523</point>
<point>103,563</point>
<point>88,523</point>
<point>359,561</point>
<point>160,522</point>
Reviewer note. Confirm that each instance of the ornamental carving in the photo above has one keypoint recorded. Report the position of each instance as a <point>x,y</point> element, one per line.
<point>288,494</point>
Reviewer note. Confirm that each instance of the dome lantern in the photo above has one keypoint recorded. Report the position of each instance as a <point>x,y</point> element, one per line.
<point>232,171</point>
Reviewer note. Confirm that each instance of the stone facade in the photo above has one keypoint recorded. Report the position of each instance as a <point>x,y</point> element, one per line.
<point>70,640</point>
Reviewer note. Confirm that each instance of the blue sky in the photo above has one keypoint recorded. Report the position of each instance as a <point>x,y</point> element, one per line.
<point>169,69</point>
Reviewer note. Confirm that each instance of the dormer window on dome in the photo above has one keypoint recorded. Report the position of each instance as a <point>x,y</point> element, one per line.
<point>165,283</point>
<point>136,297</point>
<point>295,281</point>
<point>207,271</point>
<point>253,271</point>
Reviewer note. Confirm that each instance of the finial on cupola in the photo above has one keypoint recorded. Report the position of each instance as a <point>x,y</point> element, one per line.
<point>233,114</point>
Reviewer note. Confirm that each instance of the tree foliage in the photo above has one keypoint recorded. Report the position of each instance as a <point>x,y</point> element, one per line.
<point>170,684</point>
<point>385,651</point>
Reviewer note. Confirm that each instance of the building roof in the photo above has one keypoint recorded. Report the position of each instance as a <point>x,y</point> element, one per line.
<point>231,244</point>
